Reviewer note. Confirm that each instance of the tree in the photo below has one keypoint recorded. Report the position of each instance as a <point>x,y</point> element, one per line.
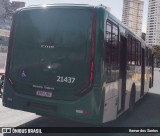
<point>6,8</point>
<point>157,54</point>
<point>6,12</point>
<point>156,50</point>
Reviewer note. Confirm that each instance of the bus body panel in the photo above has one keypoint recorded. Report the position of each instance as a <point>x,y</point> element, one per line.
<point>87,109</point>
<point>104,101</point>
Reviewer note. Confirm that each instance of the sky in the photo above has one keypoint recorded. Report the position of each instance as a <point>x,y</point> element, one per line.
<point>115,5</point>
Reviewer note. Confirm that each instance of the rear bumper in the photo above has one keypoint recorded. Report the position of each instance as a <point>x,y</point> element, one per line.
<point>91,103</point>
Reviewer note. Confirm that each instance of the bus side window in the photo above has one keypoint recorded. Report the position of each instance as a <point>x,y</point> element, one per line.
<point>115,45</point>
<point>133,52</point>
<point>150,58</point>
<point>151,61</point>
<point>108,50</point>
<point>146,56</point>
<point>129,50</point>
<point>139,53</point>
<point>111,52</point>
<point>136,54</point>
<point>115,53</point>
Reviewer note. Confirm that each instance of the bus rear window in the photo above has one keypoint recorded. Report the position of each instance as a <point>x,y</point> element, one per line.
<point>52,43</point>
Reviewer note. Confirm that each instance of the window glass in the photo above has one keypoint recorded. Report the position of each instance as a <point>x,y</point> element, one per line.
<point>114,45</point>
<point>108,44</point>
<point>133,51</point>
<point>129,50</point>
<point>136,52</point>
<point>146,56</point>
<point>139,53</point>
<point>150,58</point>
<point>111,52</point>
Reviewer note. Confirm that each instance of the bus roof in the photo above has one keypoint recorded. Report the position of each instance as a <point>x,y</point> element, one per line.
<point>87,6</point>
<point>59,4</point>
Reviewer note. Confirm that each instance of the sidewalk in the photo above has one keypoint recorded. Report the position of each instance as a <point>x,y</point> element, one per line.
<point>156,83</point>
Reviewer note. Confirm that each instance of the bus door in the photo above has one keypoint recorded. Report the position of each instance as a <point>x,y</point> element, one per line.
<point>142,72</point>
<point>123,65</point>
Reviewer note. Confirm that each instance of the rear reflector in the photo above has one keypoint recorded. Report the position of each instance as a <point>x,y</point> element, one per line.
<point>83,112</point>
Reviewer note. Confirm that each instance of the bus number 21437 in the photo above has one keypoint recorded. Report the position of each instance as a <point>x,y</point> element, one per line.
<point>69,80</point>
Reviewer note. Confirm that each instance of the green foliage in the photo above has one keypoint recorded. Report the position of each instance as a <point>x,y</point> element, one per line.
<point>156,50</point>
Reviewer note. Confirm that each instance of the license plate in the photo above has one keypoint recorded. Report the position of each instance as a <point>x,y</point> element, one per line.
<point>44,93</point>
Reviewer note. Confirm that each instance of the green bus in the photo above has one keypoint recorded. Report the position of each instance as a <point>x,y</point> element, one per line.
<point>75,61</point>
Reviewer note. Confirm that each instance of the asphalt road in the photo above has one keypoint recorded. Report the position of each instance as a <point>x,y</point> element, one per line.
<point>145,114</point>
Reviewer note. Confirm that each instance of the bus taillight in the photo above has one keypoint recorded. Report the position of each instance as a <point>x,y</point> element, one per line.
<point>93,40</point>
<point>83,112</point>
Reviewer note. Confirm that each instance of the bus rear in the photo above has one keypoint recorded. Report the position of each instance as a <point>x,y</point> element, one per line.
<point>50,62</point>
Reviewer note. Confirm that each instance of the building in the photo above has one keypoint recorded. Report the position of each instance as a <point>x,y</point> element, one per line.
<point>17,4</point>
<point>4,33</point>
<point>4,39</point>
<point>153,23</point>
<point>132,15</point>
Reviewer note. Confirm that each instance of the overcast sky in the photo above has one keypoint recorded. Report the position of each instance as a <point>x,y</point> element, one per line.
<point>115,5</point>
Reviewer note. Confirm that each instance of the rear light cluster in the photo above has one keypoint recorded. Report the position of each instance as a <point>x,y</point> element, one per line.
<point>83,112</point>
<point>93,41</point>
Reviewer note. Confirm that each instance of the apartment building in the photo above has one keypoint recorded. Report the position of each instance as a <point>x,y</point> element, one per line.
<point>132,15</point>
<point>153,23</point>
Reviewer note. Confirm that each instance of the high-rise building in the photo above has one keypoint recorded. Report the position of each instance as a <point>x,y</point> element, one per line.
<point>132,15</point>
<point>153,23</point>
